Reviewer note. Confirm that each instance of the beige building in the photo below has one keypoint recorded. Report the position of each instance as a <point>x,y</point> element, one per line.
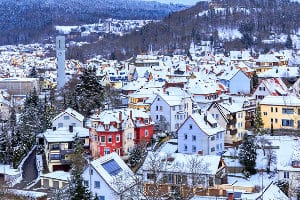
<point>19,86</point>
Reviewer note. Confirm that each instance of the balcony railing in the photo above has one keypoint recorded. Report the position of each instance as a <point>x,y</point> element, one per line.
<point>66,151</point>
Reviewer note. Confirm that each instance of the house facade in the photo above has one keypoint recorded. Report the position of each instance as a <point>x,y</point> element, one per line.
<point>236,81</point>
<point>59,146</point>
<point>281,112</point>
<point>182,174</point>
<point>169,111</point>
<point>99,177</point>
<point>118,131</point>
<point>200,134</point>
<point>69,117</point>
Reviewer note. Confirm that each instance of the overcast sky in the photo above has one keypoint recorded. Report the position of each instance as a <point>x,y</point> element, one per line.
<point>185,2</point>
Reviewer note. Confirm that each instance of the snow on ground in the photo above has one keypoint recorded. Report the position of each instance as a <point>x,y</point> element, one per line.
<point>29,194</point>
<point>7,169</point>
<point>228,34</point>
<point>257,179</point>
<point>65,29</point>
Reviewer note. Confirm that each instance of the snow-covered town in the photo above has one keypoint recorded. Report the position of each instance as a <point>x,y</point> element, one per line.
<point>203,126</point>
<point>190,115</point>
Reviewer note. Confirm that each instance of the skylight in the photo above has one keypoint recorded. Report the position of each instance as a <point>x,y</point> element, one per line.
<point>112,167</point>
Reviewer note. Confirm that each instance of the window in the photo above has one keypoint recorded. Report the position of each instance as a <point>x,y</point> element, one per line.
<point>298,111</point>
<point>286,175</point>
<point>180,107</point>
<point>271,109</point>
<point>287,111</point>
<point>103,139</point>
<point>160,108</point>
<point>106,151</point>
<point>66,117</point>
<point>146,121</point>
<point>91,172</point>
<point>158,99</point>
<point>276,109</point>
<point>218,146</point>
<point>60,125</point>
<point>287,122</point>
<point>190,126</point>
<point>185,136</point>
<point>109,139</point>
<point>193,148</point>
<point>173,108</point>
<point>170,178</point>
<point>265,113</point>
<point>101,197</point>
<point>212,138</point>
<point>117,138</point>
<point>54,147</point>
<point>97,184</point>
<point>217,136</point>
<point>181,179</point>
<point>271,120</point>
<point>85,183</point>
<point>146,133</point>
<point>194,138</point>
<point>129,136</point>
<point>185,147</point>
<point>156,117</point>
<point>276,120</point>
<point>212,149</point>
<point>151,176</point>
<point>156,108</point>
<point>96,138</point>
<point>54,156</point>
<point>217,116</point>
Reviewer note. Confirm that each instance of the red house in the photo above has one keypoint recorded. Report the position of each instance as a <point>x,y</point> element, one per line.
<point>118,131</point>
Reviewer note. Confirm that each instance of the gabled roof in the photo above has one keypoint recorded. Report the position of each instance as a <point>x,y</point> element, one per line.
<point>275,86</point>
<point>111,166</point>
<point>71,112</point>
<point>64,135</point>
<point>206,126</point>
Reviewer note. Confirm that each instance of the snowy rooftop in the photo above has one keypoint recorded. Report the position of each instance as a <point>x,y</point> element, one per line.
<point>64,135</point>
<point>207,127</point>
<point>71,112</point>
<point>281,101</point>
<point>58,175</point>
<point>182,163</point>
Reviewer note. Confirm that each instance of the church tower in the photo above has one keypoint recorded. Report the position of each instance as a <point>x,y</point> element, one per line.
<point>60,55</point>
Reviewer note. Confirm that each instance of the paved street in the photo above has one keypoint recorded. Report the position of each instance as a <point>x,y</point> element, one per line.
<point>30,172</point>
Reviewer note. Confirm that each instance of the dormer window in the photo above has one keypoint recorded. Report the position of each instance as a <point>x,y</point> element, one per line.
<point>106,126</point>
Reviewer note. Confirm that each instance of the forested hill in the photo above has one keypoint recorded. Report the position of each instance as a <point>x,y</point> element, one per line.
<point>27,20</point>
<point>255,20</point>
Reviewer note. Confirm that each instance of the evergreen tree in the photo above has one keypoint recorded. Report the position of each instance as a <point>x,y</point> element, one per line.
<point>77,190</point>
<point>289,42</point>
<point>258,122</point>
<point>89,92</point>
<point>33,73</point>
<point>254,81</point>
<point>247,154</point>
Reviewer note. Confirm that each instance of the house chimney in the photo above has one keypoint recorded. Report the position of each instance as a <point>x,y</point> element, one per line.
<point>71,129</point>
<point>54,128</point>
<point>120,116</point>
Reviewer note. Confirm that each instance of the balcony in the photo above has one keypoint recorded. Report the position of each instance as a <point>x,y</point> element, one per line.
<point>66,151</point>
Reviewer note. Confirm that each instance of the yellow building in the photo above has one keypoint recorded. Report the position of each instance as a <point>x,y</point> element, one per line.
<point>281,111</point>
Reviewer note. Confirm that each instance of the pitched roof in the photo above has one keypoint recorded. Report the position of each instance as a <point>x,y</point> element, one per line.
<point>111,166</point>
<point>206,126</point>
<point>71,112</point>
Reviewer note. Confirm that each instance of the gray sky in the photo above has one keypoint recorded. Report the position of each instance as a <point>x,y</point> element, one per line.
<point>185,2</point>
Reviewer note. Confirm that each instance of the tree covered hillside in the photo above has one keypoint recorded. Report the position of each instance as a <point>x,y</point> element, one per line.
<point>29,20</point>
<point>255,20</point>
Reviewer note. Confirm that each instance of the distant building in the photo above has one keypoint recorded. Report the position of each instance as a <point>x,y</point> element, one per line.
<point>19,86</point>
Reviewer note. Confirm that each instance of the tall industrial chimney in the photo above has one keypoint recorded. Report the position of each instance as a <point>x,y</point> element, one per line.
<point>60,54</point>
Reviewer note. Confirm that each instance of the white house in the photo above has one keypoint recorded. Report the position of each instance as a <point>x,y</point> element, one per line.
<point>201,134</point>
<point>169,110</point>
<point>102,175</point>
<point>270,86</point>
<point>67,118</point>
<point>236,81</point>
